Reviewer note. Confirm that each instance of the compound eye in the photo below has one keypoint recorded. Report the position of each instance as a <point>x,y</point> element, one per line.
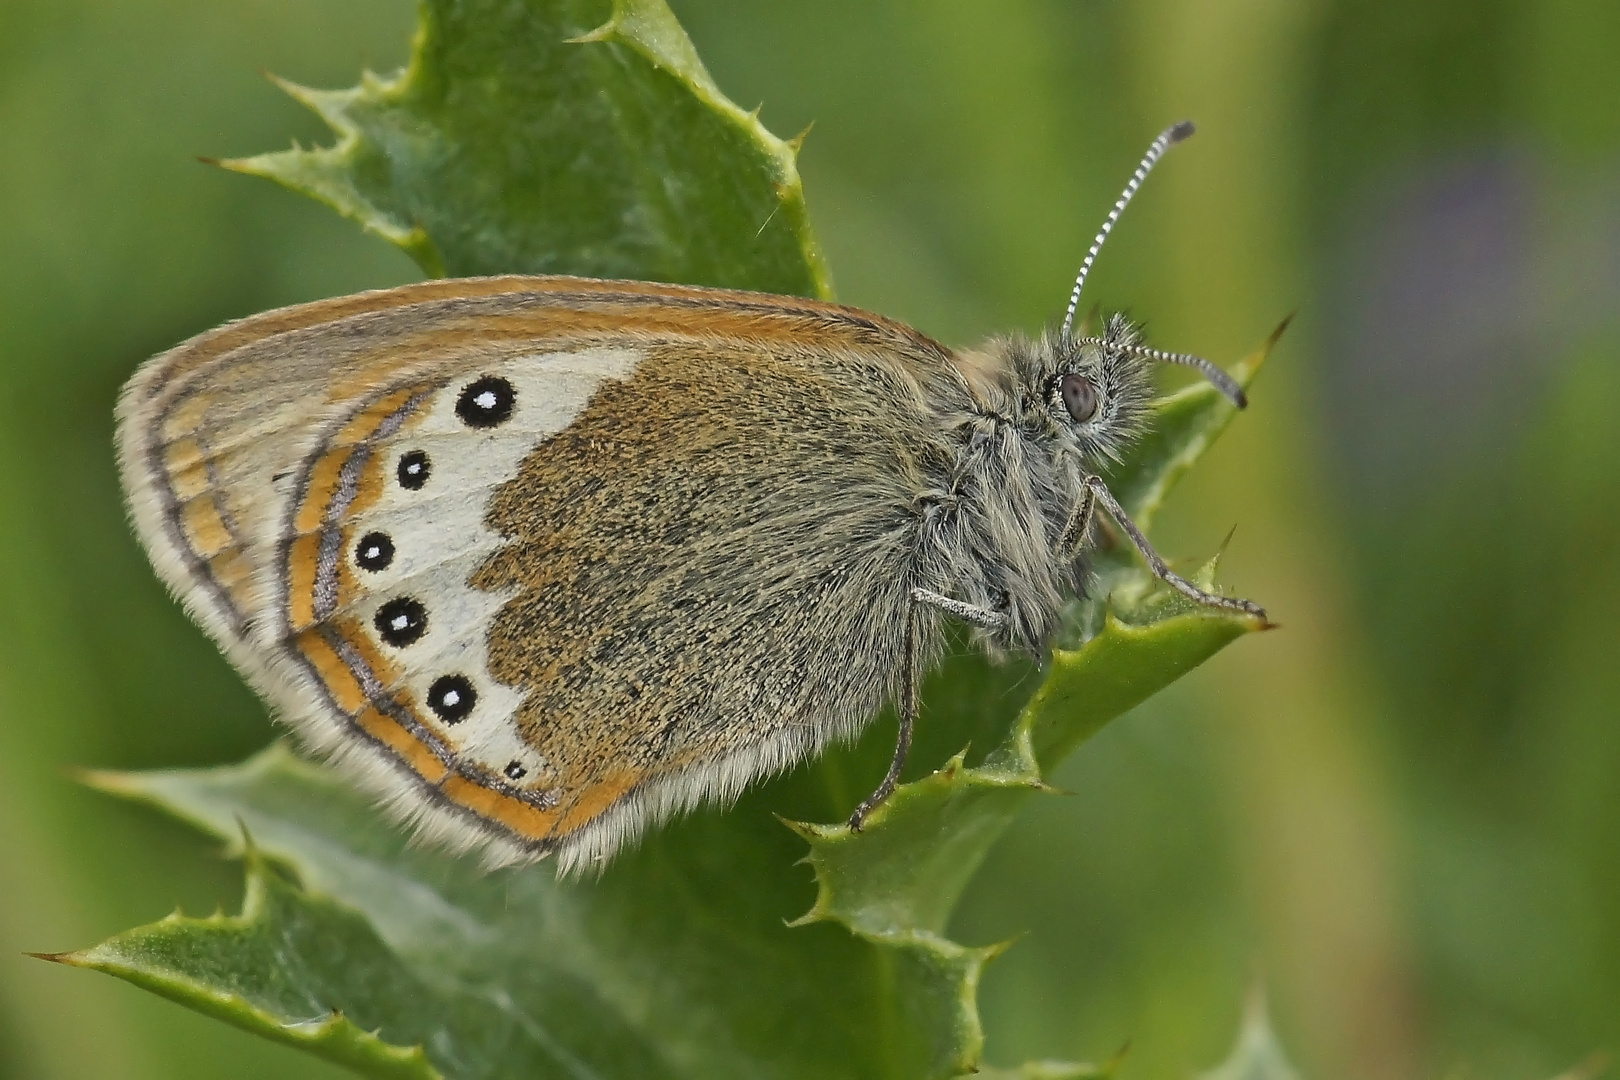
<point>1079,397</point>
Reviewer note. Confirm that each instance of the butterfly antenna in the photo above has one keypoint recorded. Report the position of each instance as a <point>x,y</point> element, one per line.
<point>1168,138</point>
<point>1221,380</point>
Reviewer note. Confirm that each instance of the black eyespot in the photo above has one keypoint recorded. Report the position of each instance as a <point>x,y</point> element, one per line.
<point>374,552</point>
<point>414,470</point>
<point>487,402</point>
<point>514,771</point>
<point>452,697</point>
<point>1079,397</point>
<point>401,621</point>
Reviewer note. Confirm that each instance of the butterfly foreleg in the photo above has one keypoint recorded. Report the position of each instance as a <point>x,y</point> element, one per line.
<point>1078,526</point>
<point>1097,492</point>
<point>973,613</point>
<point>906,707</point>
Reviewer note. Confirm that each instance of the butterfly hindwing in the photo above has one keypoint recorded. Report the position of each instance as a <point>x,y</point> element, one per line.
<point>544,559</point>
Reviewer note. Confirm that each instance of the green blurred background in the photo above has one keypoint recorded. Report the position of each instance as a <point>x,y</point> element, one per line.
<point>1401,810</point>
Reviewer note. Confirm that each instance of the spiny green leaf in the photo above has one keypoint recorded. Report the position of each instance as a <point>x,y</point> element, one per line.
<point>560,136</point>
<point>677,962</point>
<point>900,877</point>
<point>235,968</point>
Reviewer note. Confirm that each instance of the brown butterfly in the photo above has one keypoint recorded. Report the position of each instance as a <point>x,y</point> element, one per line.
<point>543,560</point>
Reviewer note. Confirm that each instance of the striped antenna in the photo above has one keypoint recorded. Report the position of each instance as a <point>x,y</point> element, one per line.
<point>1165,141</point>
<point>1221,380</point>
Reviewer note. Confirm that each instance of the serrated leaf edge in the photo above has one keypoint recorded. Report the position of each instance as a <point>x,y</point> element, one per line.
<point>648,27</point>
<point>146,788</point>
<point>651,29</point>
<point>334,1037</point>
<point>1013,765</point>
<point>322,173</point>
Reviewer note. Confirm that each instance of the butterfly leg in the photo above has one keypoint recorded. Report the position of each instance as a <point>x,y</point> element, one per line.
<point>907,708</point>
<point>1078,526</point>
<point>1097,491</point>
<point>973,613</point>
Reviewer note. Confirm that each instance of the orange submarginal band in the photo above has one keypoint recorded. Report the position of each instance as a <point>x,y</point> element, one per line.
<point>523,818</point>
<point>186,468</point>
<point>205,527</point>
<point>341,684</point>
<point>324,478</point>
<point>303,561</point>
<point>411,750</point>
<point>591,801</point>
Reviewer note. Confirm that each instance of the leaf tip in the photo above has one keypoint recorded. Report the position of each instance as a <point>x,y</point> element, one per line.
<point>608,31</point>
<point>994,950</point>
<point>816,914</point>
<point>1245,370</point>
<point>1256,1052</point>
<point>298,92</point>
<point>330,105</point>
<point>248,166</point>
<point>1252,622</point>
<point>806,830</point>
<point>107,781</point>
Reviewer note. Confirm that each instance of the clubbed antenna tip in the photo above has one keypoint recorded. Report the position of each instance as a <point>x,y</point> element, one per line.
<point>1181,132</point>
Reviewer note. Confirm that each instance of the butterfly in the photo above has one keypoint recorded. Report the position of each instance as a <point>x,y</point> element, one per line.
<point>544,560</point>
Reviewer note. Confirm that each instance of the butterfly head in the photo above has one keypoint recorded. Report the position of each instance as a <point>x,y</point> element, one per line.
<point>1088,395</point>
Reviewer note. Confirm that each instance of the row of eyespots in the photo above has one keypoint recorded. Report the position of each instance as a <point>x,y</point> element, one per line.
<point>485,403</point>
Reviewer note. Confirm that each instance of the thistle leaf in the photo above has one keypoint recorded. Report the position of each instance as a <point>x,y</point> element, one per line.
<point>559,136</point>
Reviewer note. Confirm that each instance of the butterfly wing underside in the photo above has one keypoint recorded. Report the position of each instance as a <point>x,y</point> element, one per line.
<point>543,559</point>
